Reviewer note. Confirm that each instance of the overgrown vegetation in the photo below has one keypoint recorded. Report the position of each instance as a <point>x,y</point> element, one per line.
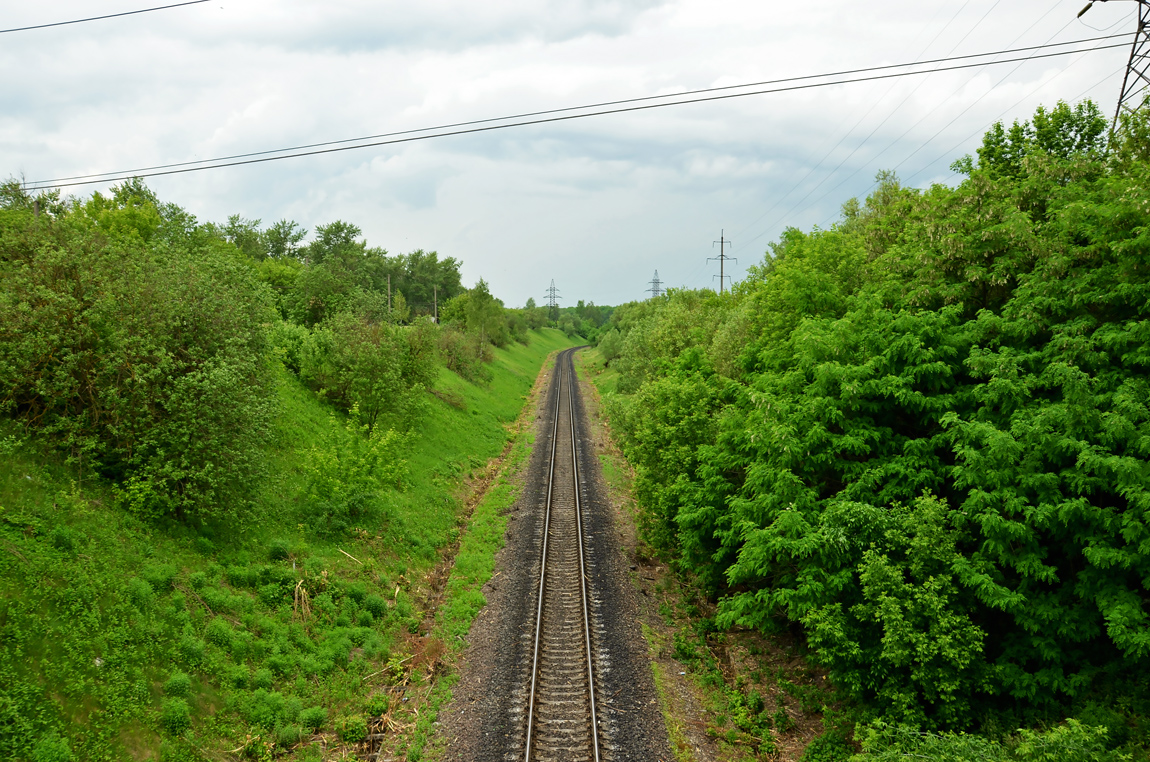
<point>227,465</point>
<point>919,439</point>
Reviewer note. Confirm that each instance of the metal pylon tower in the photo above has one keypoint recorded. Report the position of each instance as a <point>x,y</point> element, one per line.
<point>656,288</point>
<point>553,301</point>
<point>1137,78</point>
<point>723,244</point>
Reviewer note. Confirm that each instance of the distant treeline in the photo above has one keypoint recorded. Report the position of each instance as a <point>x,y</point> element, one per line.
<point>144,341</point>
<point>921,438</point>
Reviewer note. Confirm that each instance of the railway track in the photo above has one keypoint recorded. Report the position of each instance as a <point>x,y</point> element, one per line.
<point>561,722</point>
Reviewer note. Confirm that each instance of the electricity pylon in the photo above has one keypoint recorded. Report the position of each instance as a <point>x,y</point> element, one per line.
<point>1137,78</point>
<point>723,244</point>
<point>656,288</point>
<point>553,301</point>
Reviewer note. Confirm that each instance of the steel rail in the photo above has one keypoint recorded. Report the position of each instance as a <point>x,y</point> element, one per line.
<point>559,373</point>
<point>582,563</point>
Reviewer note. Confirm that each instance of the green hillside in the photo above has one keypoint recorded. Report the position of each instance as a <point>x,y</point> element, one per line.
<point>122,638</point>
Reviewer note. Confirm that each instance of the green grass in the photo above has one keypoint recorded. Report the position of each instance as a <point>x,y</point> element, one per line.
<point>606,379</point>
<point>121,639</point>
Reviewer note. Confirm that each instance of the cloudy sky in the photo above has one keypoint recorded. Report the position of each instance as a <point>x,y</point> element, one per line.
<point>596,204</point>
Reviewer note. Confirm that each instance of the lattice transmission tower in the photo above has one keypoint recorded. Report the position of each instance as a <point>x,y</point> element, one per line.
<point>656,288</point>
<point>1137,77</point>
<point>553,301</point>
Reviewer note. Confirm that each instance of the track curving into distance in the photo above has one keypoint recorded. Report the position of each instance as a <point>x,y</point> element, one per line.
<point>562,721</point>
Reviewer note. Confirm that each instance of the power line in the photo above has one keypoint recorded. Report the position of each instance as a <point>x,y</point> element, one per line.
<point>408,136</point>
<point>909,129</point>
<point>851,131</point>
<point>98,18</point>
<point>134,172</point>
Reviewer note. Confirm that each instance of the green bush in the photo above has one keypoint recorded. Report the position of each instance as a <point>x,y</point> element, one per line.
<point>52,748</point>
<point>263,678</point>
<point>375,368</point>
<point>140,593</point>
<point>219,633</point>
<point>351,728</point>
<point>313,718</point>
<point>378,704</point>
<point>919,436</point>
<point>140,350</point>
<point>178,685</point>
<point>376,605</point>
<point>348,475</point>
<point>191,649</point>
<point>288,736</point>
<point>175,716</point>
<point>161,576</point>
<point>1072,742</point>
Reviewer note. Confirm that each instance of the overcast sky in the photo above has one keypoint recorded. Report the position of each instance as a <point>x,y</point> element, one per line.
<point>595,204</point>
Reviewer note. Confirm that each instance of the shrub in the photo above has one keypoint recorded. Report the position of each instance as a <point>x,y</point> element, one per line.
<point>175,716</point>
<point>263,708</point>
<point>161,576</point>
<point>63,539</point>
<point>313,718</point>
<point>191,649</point>
<point>289,340</point>
<point>220,633</point>
<point>374,368</point>
<point>289,735</point>
<point>140,593</point>
<point>350,472</point>
<point>351,728</point>
<point>179,685</point>
<point>140,350</point>
<point>376,605</point>
<point>278,549</point>
<point>52,748</point>
<point>263,678</point>
<point>466,354</point>
<point>378,704</point>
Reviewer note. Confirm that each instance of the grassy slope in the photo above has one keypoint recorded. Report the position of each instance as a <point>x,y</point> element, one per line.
<point>98,610</point>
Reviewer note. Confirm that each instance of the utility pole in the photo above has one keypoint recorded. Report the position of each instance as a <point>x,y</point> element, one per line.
<point>389,294</point>
<point>656,288</point>
<point>1137,78</point>
<point>723,244</point>
<point>553,301</point>
<point>435,303</point>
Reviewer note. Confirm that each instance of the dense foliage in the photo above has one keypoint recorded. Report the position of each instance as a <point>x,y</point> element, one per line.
<point>145,342</point>
<point>923,436</point>
<point>138,340</point>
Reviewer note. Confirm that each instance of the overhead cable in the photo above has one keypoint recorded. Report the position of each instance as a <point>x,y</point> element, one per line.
<point>98,18</point>
<point>563,114</point>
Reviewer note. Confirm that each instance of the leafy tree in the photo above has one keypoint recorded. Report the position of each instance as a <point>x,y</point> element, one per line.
<point>282,240</point>
<point>142,351</point>
<point>921,435</point>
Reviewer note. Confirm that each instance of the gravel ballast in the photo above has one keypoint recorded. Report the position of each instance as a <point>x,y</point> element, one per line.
<point>485,719</point>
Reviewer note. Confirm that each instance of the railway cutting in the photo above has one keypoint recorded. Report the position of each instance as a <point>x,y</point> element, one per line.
<point>558,668</point>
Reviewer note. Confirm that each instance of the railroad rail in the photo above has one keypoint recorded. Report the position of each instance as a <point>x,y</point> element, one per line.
<point>562,721</point>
